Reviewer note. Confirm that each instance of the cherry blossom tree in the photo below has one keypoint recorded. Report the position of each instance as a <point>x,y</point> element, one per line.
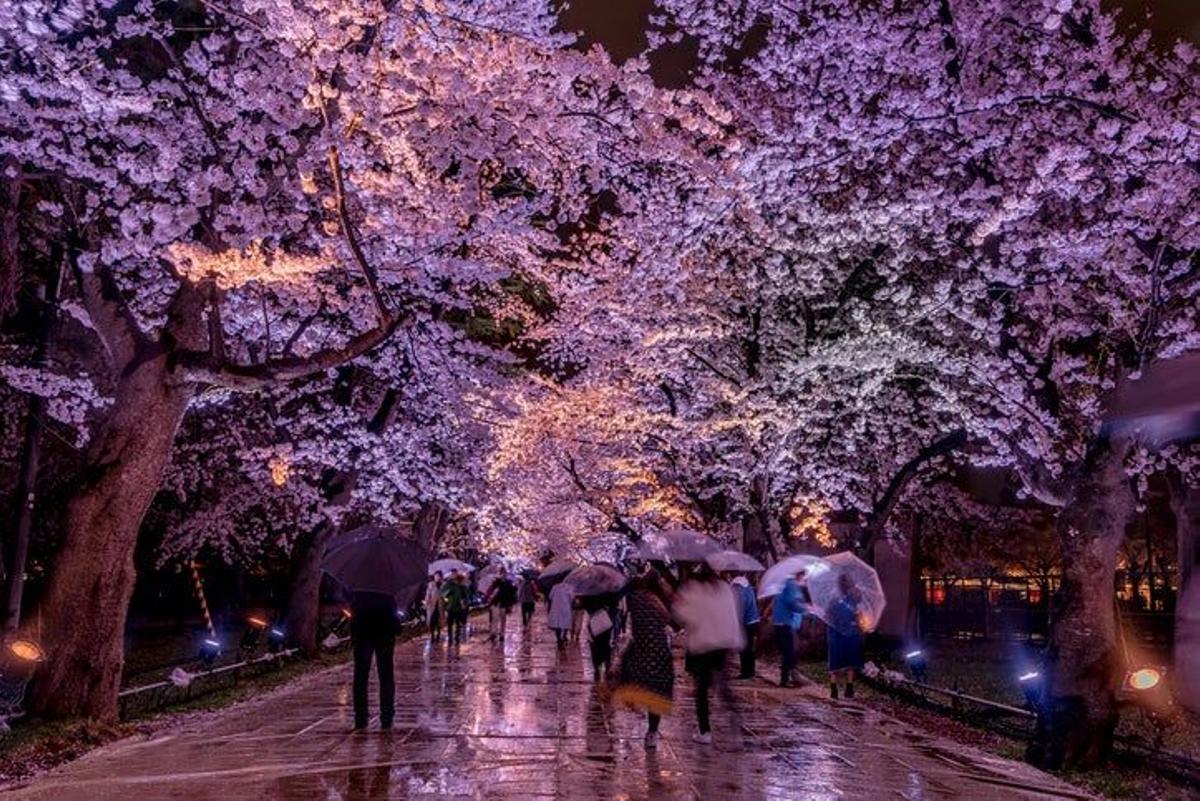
<point>254,192</point>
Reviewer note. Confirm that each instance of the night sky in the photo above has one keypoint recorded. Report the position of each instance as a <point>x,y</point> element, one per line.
<point>619,26</point>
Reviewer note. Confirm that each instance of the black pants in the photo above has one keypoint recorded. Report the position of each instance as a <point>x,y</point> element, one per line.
<point>785,638</point>
<point>527,610</point>
<point>747,657</point>
<point>456,624</point>
<point>380,645</point>
<point>601,646</point>
<point>435,625</point>
<point>708,670</point>
<point>560,637</point>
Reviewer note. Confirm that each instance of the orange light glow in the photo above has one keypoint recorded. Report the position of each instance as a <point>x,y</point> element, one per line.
<point>1144,679</point>
<point>257,622</point>
<point>26,650</point>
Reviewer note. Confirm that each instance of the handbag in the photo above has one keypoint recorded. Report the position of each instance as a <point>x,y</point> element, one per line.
<point>599,623</point>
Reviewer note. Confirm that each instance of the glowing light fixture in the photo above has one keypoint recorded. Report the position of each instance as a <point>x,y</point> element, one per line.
<point>27,651</point>
<point>1144,679</point>
<point>1028,677</point>
<point>257,622</point>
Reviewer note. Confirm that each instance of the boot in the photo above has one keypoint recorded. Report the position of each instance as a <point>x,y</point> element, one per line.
<point>833,690</point>
<point>850,689</point>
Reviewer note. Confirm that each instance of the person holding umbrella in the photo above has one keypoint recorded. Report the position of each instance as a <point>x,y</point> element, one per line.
<point>561,613</point>
<point>502,598</point>
<point>456,597</point>
<point>379,572</point>
<point>706,608</point>
<point>434,611</point>
<point>786,614</point>
<point>527,595</point>
<point>748,611</point>
<point>845,638</point>
<point>373,635</point>
<point>646,675</point>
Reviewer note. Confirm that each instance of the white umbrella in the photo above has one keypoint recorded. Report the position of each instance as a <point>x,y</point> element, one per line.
<point>734,562</point>
<point>776,577</point>
<point>448,566</point>
<point>824,590</point>
<point>676,545</point>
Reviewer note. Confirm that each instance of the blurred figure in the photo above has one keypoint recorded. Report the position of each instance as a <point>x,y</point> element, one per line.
<point>434,607</point>
<point>646,676</point>
<point>502,598</point>
<point>786,616</point>
<point>373,635</point>
<point>845,639</point>
<point>708,611</point>
<point>527,595</point>
<point>456,597</point>
<point>602,629</point>
<point>577,616</point>
<point>561,613</point>
<point>748,613</point>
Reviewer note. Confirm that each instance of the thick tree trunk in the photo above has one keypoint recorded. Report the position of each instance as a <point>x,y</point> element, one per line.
<point>431,525</point>
<point>304,590</point>
<point>1083,667</point>
<point>1185,505</point>
<point>88,594</point>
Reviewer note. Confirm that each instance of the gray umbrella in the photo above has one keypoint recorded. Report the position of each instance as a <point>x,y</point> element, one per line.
<point>595,580</point>
<point>676,545</point>
<point>376,559</point>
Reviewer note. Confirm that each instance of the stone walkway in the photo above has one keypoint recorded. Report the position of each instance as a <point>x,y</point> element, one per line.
<point>524,722</point>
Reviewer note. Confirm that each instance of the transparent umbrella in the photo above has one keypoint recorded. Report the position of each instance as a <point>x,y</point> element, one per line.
<point>734,562</point>
<point>488,576</point>
<point>448,566</point>
<point>771,583</point>
<point>676,545</point>
<point>823,587</point>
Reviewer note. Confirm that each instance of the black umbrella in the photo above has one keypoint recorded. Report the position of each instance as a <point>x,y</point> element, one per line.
<point>377,559</point>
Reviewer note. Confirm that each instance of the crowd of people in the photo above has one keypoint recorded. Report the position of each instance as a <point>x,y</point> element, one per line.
<point>718,616</point>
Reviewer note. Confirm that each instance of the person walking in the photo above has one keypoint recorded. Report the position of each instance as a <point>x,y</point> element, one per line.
<point>845,637</point>
<point>561,613</point>
<point>434,607</point>
<point>373,636</point>
<point>601,627</point>
<point>456,596</point>
<point>748,612</point>
<point>786,616</point>
<point>527,595</point>
<point>646,675</point>
<point>502,598</point>
<point>708,611</point>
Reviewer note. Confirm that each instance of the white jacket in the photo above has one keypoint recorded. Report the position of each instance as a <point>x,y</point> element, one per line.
<point>709,614</point>
<point>561,613</point>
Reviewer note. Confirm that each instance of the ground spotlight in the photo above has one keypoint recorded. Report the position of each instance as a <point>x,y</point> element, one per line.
<point>917,664</point>
<point>255,626</point>
<point>209,651</point>
<point>1031,685</point>
<point>1147,687</point>
<point>275,638</point>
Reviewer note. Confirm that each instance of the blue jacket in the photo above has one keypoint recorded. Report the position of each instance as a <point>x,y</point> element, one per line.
<point>748,603</point>
<point>789,605</point>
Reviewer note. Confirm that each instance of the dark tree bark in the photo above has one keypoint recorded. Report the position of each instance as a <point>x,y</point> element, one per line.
<point>1078,713</point>
<point>431,525</point>
<point>92,581</point>
<point>1185,505</point>
<point>304,589</point>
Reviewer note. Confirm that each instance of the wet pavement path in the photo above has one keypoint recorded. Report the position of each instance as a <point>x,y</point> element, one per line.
<point>525,722</point>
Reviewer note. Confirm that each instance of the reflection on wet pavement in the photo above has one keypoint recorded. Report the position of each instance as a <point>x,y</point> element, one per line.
<point>524,722</point>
